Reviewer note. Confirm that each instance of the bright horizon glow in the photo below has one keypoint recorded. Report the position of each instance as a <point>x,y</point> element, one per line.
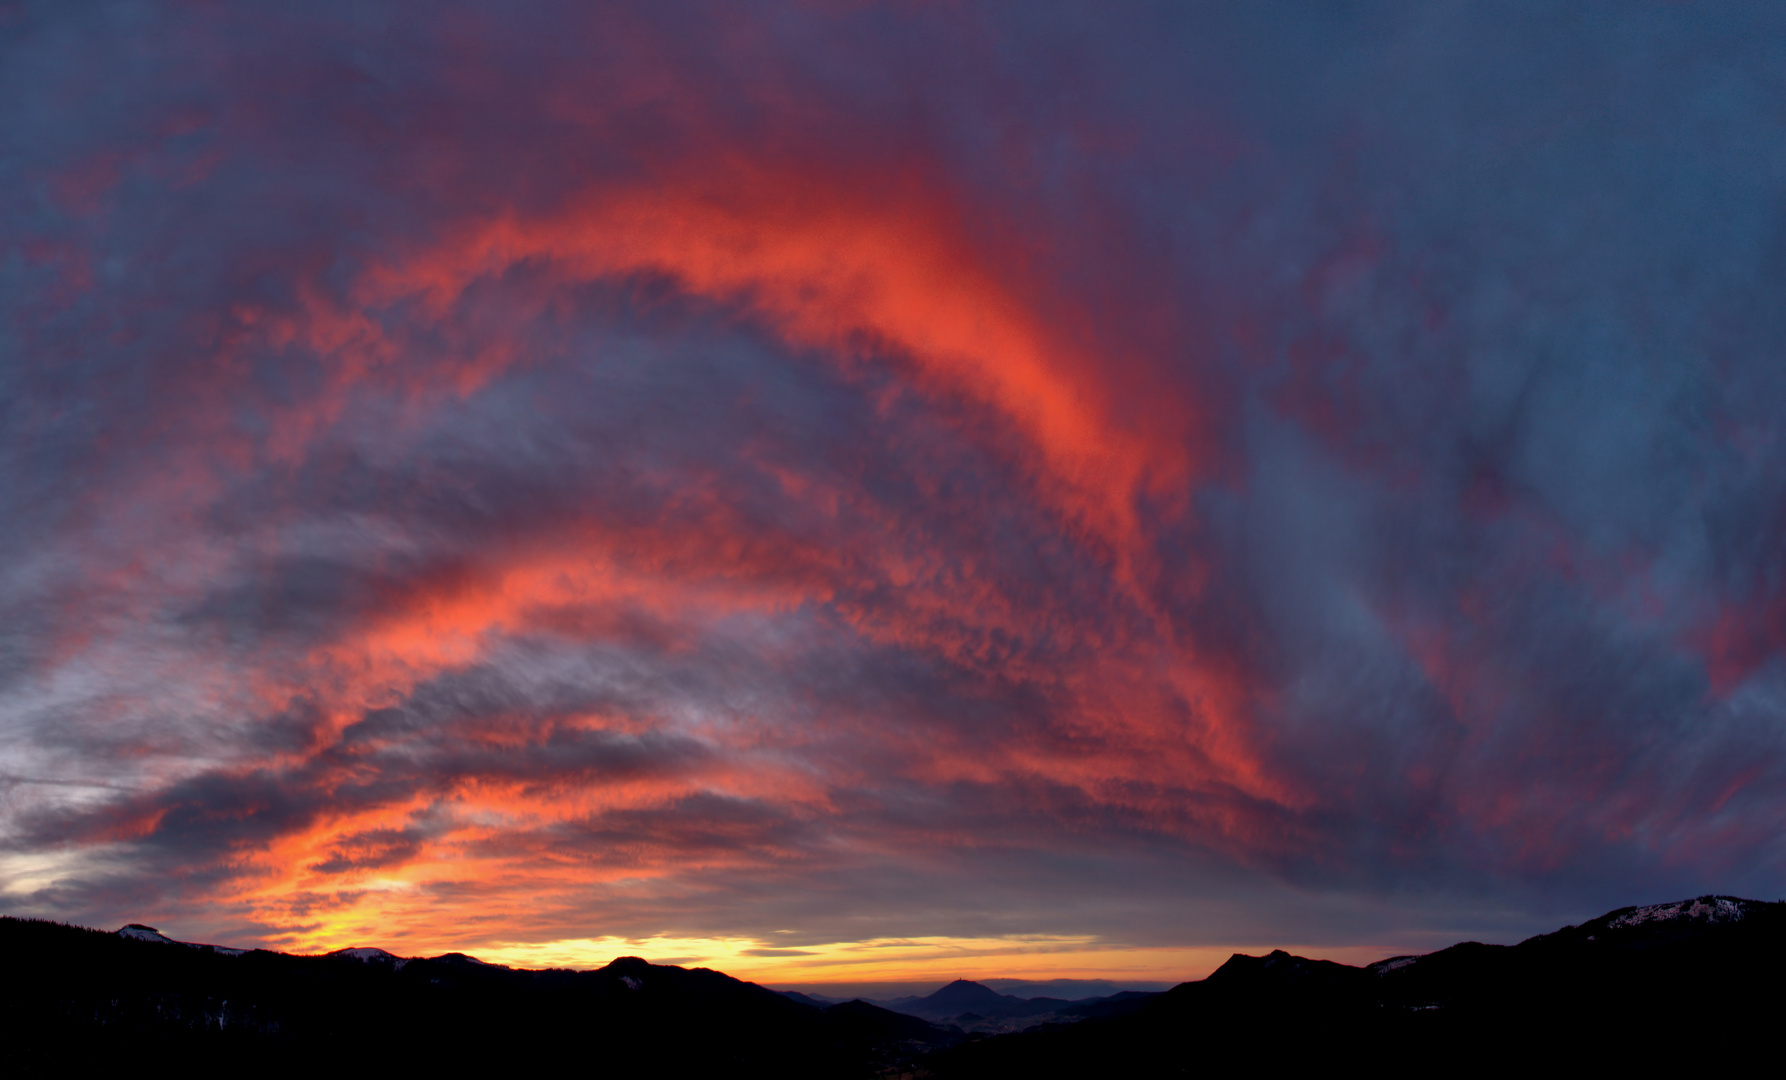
<point>894,960</point>
<point>915,959</point>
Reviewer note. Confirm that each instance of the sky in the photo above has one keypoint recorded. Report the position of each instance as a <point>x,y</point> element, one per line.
<point>890,491</point>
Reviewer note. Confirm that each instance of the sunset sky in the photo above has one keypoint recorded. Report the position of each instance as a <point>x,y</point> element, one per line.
<point>888,491</point>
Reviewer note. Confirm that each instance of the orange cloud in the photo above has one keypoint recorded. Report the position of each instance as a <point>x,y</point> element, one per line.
<point>843,266</point>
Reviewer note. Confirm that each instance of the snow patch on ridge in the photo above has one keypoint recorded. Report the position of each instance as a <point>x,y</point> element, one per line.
<point>136,931</point>
<point>1711,909</point>
<point>366,954</point>
<point>139,932</point>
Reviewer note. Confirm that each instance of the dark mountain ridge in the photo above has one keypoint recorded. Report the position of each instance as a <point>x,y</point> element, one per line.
<point>963,996</point>
<point>1073,989</point>
<point>976,1007</point>
<point>1694,982</point>
<point>76,997</point>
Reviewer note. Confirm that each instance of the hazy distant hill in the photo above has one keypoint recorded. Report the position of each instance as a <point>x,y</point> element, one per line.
<point>975,1007</point>
<point>1072,989</point>
<point>1691,984</point>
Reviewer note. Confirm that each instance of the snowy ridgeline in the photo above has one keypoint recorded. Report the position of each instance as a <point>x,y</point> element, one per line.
<point>1711,909</point>
<point>988,1005</point>
<point>364,954</point>
<point>139,932</point>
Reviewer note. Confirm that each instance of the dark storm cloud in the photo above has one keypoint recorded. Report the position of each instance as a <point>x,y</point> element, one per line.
<point>986,472</point>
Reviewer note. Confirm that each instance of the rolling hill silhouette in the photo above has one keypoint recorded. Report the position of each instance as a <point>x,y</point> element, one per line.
<point>977,1008</point>
<point>1694,983</point>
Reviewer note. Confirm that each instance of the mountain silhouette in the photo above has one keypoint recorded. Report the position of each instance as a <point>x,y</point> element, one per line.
<point>962,996</point>
<point>1691,984</point>
<point>978,1008</point>
<point>77,999</point>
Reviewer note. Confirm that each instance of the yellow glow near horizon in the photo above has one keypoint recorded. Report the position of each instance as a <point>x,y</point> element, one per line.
<point>905,959</point>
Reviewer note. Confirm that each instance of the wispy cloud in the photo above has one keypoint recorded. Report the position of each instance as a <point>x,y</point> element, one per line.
<point>494,477</point>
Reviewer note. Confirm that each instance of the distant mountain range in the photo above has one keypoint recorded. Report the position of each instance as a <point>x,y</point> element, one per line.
<point>974,1007</point>
<point>1692,984</point>
<point>1061,989</point>
<point>1689,985</point>
<point>1072,989</point>
<point>76,1000</point>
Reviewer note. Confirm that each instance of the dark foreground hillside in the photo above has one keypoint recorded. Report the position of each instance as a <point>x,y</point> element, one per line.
<point>1682,986</point>
<point>76,999</point>
<point>1679,986</point>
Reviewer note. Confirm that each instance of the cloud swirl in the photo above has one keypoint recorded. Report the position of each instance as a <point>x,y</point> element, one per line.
<point>483,476</point>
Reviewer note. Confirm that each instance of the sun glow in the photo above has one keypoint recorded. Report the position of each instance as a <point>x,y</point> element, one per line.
<point>904,959</point>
